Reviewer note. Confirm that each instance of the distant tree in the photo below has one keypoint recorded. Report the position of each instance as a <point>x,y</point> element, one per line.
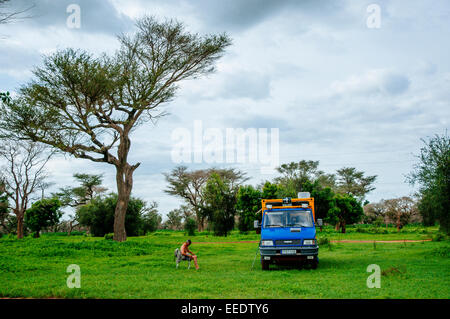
<point>295,175</point>
<point>353,182</point>
<point>374,212</point>
<point>98,215</point>
<point>151,219</point>
<point>345,211</point>
<point>248,203</point>
<point>88,106</point>
<point>175,219</point>
<point>90,186</point>
<point>323,198</point>
<point>400,210</point>
<point>42,214</point>
<point>220,204</point>
<point>428,206</point>
<point>432,174</point>
<point>22,175</point>
<point>189,226</point>
<point>189,185</point>
<point>4,209</point>
<point>269,191</point>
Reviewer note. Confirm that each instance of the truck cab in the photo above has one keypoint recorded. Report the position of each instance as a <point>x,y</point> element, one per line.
<point>288,232</point>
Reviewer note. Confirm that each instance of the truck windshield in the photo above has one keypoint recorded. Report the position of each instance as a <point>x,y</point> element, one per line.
<point>288,219</point>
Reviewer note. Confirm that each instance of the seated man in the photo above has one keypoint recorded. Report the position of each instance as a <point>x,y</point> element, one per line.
<point>186,252</point>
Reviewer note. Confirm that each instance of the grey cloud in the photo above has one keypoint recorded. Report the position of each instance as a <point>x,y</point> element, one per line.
<point>97,16</point>
<point>395,83</point>
<point>246,85</point>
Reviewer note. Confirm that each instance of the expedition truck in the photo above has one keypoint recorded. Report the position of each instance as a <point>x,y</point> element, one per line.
<point>288,232</point>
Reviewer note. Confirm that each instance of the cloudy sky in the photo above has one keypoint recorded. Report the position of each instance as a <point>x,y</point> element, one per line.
<point>338,90</point>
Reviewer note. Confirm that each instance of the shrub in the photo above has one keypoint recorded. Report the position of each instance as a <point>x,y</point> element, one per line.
<point>109,236</point>
<point>324,241</point>
<point>98,215</point>
<point>189,226</point>
<point>438,237</point>
<point>43,213</point>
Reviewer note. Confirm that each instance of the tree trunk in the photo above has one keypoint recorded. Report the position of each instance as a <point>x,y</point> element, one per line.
<point>343,224</point>
<point>398,222</point>
<point>124,178</point>
<point>19,226</point>
<point>338,226</point>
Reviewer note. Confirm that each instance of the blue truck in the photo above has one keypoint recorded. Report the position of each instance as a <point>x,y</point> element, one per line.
<point>288,232</point>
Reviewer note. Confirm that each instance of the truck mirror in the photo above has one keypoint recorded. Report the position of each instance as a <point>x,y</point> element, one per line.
<point>256,224</point>
<point>320,222</point>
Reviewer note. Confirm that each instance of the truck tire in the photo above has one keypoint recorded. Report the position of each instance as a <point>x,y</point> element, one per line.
<point>265,265</point>
<point>315,263</point>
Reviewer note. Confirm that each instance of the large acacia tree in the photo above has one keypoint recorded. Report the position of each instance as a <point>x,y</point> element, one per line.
<point>88,106</point>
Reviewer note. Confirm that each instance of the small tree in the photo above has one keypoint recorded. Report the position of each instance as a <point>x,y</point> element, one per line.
<point>220,204</point>
<point>22,175</point>
<point>42,214</point>
<point>151,219</point>
<point>190,185</point>
<point>175,219</point>
<point>269,191</point>
<point>248,202</point>
<point>355,183</point>
<point>189,226</point>
<point>346,210</point>
<point>400,210</point>
<point>98,215</point>
<point>432,174</point>
<point>375,212</point>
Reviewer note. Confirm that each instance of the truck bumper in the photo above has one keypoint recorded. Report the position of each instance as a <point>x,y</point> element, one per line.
<point>275,253</point>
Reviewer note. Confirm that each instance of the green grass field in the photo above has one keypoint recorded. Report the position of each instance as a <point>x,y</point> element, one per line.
<point>143,267</point>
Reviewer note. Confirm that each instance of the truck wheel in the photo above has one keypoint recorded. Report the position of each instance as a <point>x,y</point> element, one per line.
<point>315,263</point>
<point>264,265</point>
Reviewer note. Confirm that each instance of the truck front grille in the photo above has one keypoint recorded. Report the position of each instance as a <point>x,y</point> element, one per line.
<point>288,242</point>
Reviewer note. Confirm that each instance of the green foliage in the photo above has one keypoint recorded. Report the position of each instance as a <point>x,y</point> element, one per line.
<point>323,241</point>
<point>432,173</point>
<point>42,214</point>
<point>174,219</point>
<point>439,237</point>
<point>150,219</point>
<point>190,225</point>
<point>269,191</point>
<point>346,210</point>
<point>353,182</point>
<point>90,187</point>
<point>247,205</point>
<point>109,236</point>
<point>5,97</point>
<point>98,215</point>
<point>220,204</point>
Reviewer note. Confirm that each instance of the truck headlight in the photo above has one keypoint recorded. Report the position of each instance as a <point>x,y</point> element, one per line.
<point>309,242</point>
<point>267,243</point>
